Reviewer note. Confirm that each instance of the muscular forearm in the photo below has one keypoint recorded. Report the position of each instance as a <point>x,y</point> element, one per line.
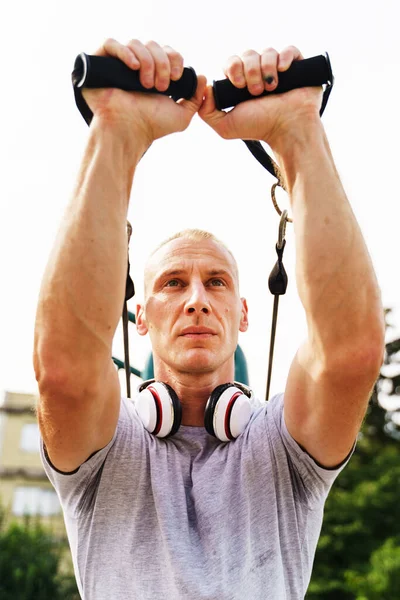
<point>83,287</point>
<point>335,276</point>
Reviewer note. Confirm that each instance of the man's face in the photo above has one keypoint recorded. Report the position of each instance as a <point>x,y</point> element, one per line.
<point>192,311</point>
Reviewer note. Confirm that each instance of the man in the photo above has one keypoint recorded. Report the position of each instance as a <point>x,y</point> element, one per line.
<point>190,517</point>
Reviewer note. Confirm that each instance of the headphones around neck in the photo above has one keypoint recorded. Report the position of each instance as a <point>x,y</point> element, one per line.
<point>228,409</point>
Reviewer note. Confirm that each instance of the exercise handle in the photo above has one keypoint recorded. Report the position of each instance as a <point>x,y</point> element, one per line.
<point>109,72</point>
<point>308,72</point>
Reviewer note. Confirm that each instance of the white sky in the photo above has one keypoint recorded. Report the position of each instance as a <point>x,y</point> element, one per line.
<point>193,179</point>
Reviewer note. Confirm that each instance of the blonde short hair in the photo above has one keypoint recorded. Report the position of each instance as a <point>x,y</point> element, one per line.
<point>197,235</point>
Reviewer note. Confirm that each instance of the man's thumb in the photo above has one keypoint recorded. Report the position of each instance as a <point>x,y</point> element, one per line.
<point>195,102</point>
<point>209,112</point>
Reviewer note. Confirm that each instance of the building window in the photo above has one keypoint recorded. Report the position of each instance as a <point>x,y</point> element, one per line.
<point>35,501</point>
<point>30,438</point>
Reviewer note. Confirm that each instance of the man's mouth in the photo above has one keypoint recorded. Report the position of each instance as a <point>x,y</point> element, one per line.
<point>197,332</point>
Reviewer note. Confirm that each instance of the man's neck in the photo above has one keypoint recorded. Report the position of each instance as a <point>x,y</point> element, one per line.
<point>194,390</point>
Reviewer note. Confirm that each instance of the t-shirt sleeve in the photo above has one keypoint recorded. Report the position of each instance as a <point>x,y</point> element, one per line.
<point>312,480</point>
<point>74,489</point>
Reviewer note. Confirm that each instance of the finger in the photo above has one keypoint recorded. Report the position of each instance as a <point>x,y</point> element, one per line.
<point>162,69</point>
<point>209,113</point>
<point>193,105</point>
<point>113,48</point>
<point>176,62</point>
<point>146,63</point>
<point>287,56</point>
<point>252,72</point>
<point>196,101</point>
<point>234,71</point>
<point>269,68</point>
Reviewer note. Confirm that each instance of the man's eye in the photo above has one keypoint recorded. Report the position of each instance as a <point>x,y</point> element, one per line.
<point>172,283</point>
<point>217,282</point>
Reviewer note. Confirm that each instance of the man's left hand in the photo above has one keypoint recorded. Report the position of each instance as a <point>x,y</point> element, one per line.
<point>267,118</point>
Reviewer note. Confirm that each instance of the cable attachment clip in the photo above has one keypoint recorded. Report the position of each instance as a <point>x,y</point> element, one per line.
<point>128,231</point>
<point>280,183</point>
<point>278,279</point>
<point>277,283</point>
<point>129,287</point>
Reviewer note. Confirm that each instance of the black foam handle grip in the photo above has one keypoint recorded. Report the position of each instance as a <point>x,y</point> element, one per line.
<point>110,72</point>
<point>309,72</point>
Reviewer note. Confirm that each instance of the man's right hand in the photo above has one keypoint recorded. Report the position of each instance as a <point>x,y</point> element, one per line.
<point>149,116</point>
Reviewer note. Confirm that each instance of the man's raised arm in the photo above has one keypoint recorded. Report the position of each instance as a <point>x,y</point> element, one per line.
<point>333,373</point>
<point>83,287</point>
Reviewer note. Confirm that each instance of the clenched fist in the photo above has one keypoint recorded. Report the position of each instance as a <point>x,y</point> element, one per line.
<point>149,116</point>
<point>268,118</point>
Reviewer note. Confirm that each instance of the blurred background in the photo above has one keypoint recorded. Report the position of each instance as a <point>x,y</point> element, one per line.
<point>196,179</point>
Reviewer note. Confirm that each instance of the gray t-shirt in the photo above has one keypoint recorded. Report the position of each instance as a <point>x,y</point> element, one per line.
<point>192,518</point>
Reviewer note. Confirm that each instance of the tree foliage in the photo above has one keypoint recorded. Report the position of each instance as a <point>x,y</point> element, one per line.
<point>31,563</point>
<point>358,555</point>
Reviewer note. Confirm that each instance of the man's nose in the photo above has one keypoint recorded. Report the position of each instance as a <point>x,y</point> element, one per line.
<point>197,300</point>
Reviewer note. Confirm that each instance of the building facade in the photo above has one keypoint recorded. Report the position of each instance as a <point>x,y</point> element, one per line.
<point>24,487</point>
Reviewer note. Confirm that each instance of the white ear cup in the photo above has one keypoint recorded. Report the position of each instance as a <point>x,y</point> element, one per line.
<point>231,414</point>
<point>240,415</point>
<point>155,409</point>
<point>146,409</point>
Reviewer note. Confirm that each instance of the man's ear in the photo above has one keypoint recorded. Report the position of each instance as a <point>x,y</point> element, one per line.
<point>244,319</point>
<point>141,324</point>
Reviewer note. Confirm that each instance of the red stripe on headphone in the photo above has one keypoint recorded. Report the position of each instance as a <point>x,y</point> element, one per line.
<point>229,408</point>
<point>159,410</point>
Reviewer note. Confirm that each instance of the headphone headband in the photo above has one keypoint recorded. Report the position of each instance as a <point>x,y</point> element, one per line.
<point>244,388</point>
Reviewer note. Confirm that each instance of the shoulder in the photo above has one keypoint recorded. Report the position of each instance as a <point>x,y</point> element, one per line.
<point>268,432</point>
<point>267,414</point>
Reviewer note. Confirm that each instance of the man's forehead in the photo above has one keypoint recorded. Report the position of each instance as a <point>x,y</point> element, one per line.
<point>181,251</point>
